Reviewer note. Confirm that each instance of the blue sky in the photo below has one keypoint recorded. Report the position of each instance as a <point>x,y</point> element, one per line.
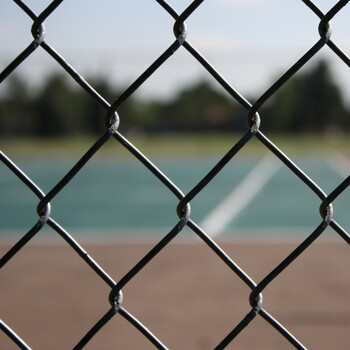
<point>250,42</point>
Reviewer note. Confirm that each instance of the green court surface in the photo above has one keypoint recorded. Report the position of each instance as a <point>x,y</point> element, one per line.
<point>251,196</point>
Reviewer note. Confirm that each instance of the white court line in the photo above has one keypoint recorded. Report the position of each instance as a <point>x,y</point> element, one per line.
<point>241,196</point>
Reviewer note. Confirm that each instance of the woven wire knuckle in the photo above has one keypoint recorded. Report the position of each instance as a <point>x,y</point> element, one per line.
<point>44,213</point>
<point>116,297</point>
<point>180,31</point>
<point>183,211</point>
<point>254,117</point>
<point>325,29</point>
<point>326,213</point>
<point>256,301</point>
<point>113,121</point>
<point>38,32</point>
<point>254,122</point>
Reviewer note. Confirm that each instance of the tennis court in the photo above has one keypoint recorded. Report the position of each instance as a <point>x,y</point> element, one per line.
<point>250,197</point>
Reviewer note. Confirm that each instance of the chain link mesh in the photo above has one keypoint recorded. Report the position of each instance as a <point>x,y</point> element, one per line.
<point>112,118</point>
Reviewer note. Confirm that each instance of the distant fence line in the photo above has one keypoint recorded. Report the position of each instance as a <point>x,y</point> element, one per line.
<point>183,211</point>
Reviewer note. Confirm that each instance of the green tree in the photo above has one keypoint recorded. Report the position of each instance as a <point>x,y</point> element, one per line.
<point>55,108</point>
<point>200,108</point>
<point>16,113</point>
<point>308,103</point>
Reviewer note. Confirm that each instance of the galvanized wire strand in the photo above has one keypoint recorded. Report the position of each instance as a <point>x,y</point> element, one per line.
<point>340,230</point>
<point>18,60</point>
<point>77,167</point>
<point>21,175</point>
<point>314,8</point>
<point>75,75</point>
<point>288,260</point>
<point>334,10</point>
<point>180,34</point>
<point>168,8</point>
<point>342,55</point>
<point>257,302</point>
<point>38,33</point>
<point>13,336</point>
<point>147,258</point>
<point>239,327</point>
<point>144,330</point>
<point>221,254</point>
<point>39,224</point>
<point>286,76</point>
<point>216,169</point>
<point>21,243</point>
<point>127,316</point>
<point>334,194</point>
<point>281,329</point>
<point>142,78</point>
<point>196,54</point>
<point>26,9</point>
<point>99,324</point>
<point>149,165</point>
<point>217,76</point>
<point>252,285</point>
<point>325,19</point>
<point>81,252</point>
<point>327,202</point>
<point>325,33</point>
<point>39,41</point>
<point>47,12</point>
<point>291,165</point>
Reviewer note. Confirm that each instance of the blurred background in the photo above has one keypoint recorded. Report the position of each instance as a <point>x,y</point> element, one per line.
<point>179,110</point>
<point>251,43</point>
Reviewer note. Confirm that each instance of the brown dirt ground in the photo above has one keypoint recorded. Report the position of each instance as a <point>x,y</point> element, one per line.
<point>186,296</point>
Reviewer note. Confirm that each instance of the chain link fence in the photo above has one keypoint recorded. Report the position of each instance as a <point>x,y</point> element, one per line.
<point>183,209</point>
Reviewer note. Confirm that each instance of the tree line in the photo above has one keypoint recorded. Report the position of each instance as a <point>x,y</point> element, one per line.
<point>310,102</point>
